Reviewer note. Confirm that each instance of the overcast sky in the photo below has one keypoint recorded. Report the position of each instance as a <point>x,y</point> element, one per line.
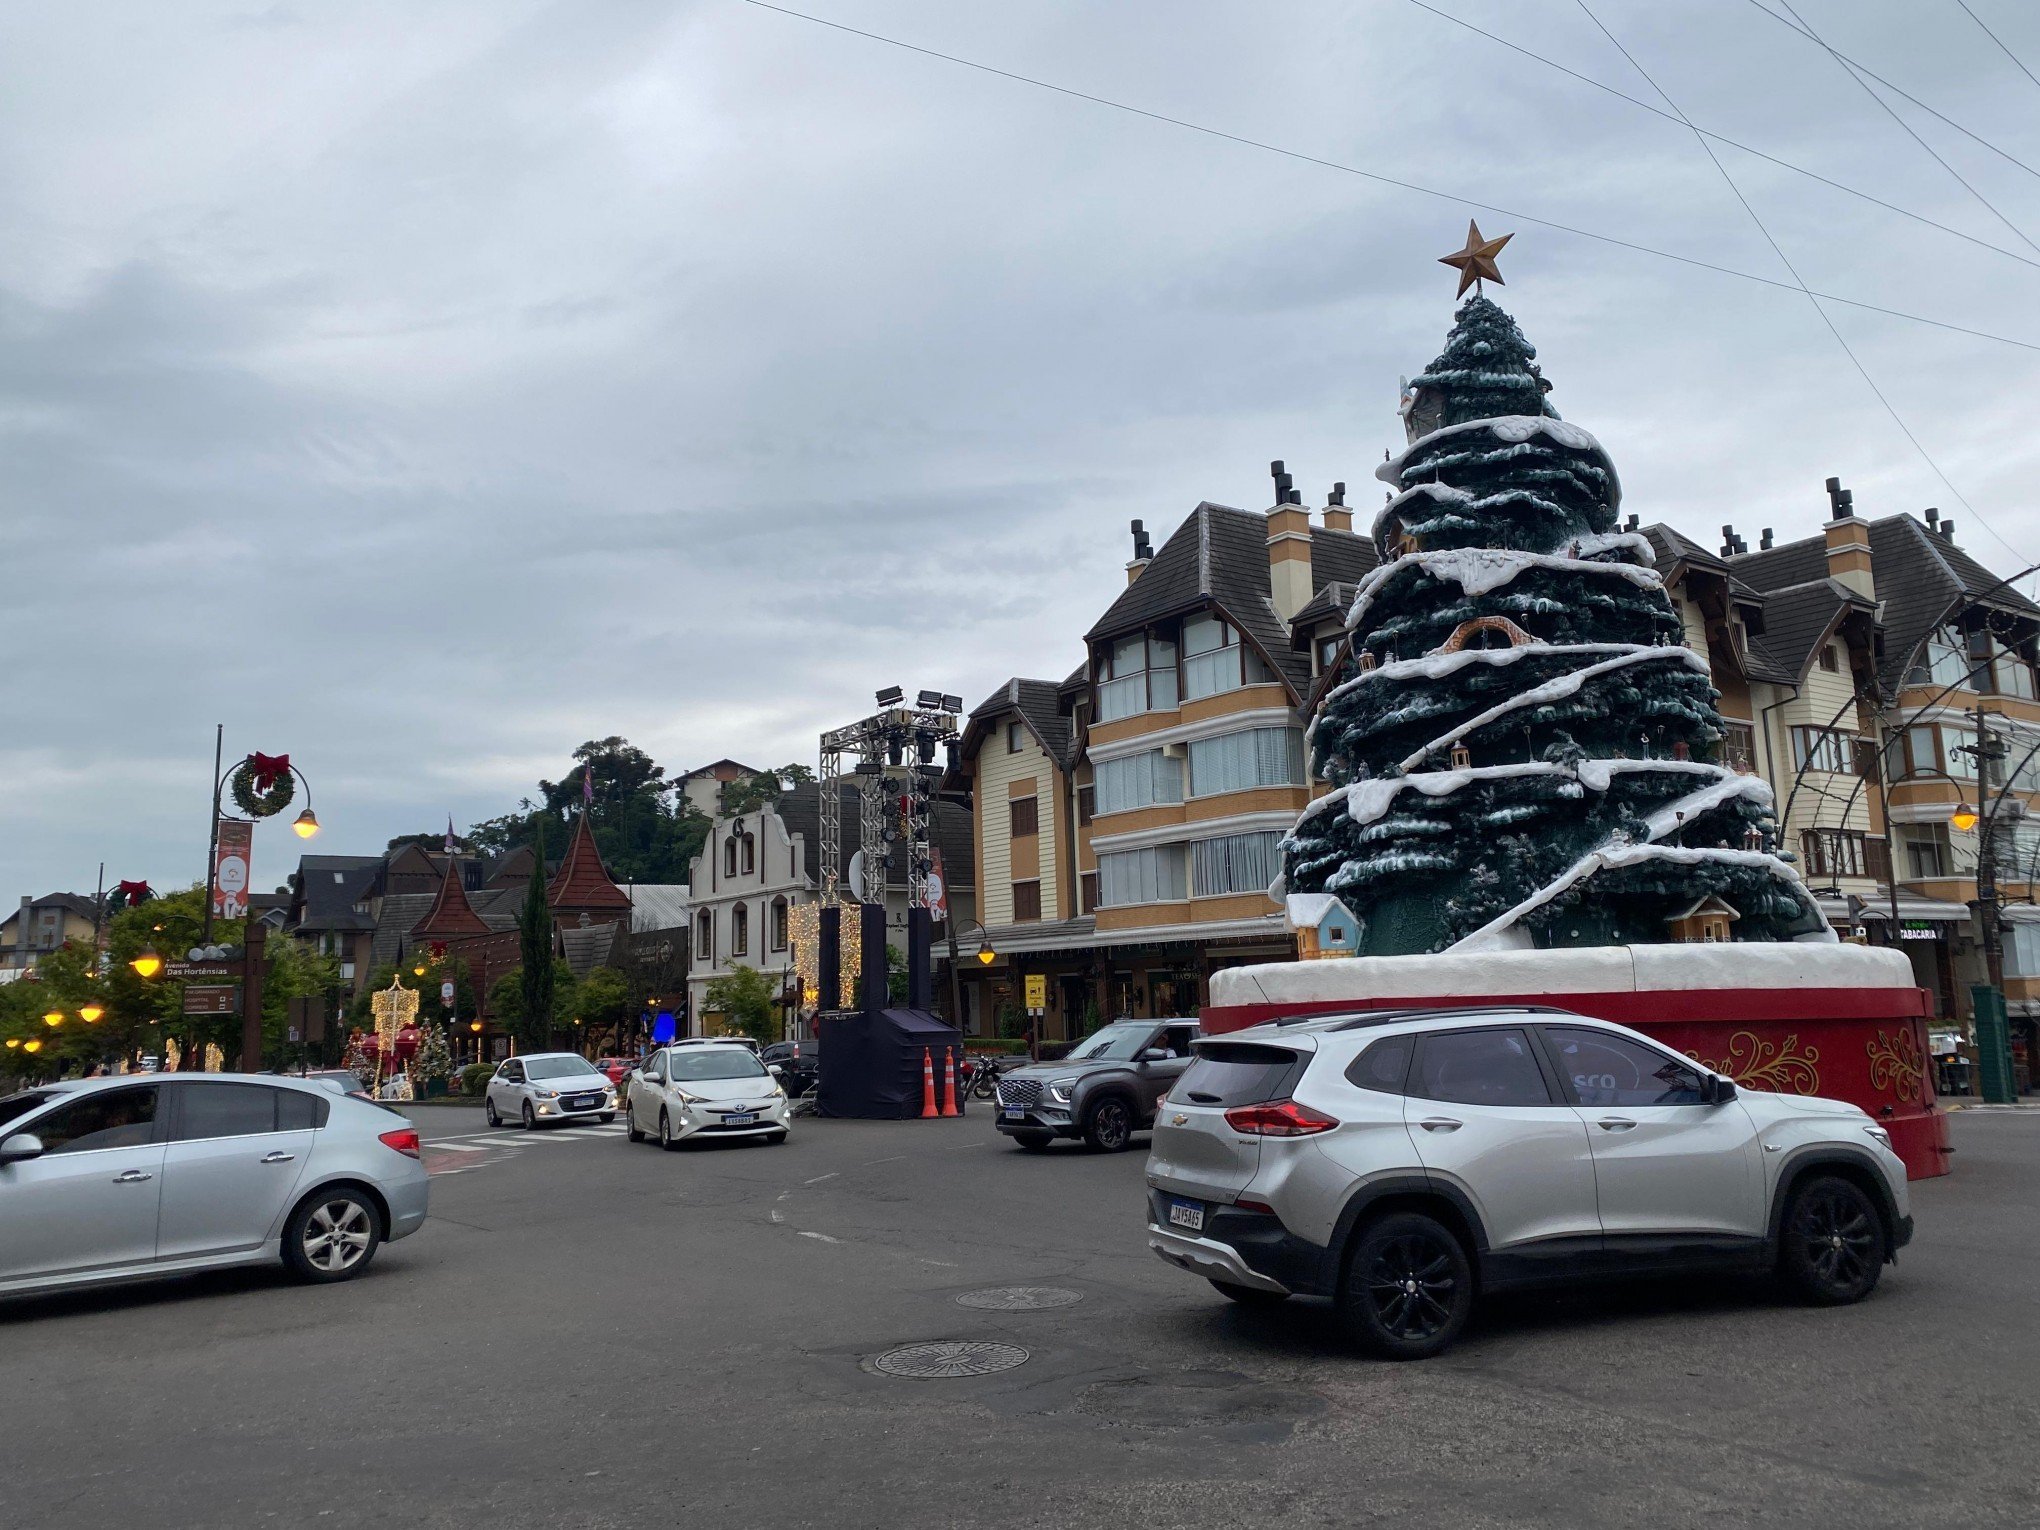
<point>423,388</point>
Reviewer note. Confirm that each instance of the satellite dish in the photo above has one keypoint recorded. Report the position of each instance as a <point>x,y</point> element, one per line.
<point>855,875</point>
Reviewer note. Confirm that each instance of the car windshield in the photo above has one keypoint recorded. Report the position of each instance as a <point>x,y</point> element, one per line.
<point>1116,1043</point>
<point>557,1067</point>
<point>18,1105</point>
<point>693,1066</point>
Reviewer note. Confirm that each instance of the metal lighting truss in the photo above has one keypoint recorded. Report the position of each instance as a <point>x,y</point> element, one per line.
<point>891,754</point>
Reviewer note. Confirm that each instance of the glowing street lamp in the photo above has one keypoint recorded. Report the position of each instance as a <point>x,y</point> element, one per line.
<point>53,1017</point>
<point>1965,817</point>
<point>148,963</point>
<point>31,1045</point>
<point>91,1010</point>
<point>306,824</point>
<point>13,1042</point>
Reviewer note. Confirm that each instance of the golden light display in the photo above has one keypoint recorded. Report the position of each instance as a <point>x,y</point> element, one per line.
<point>804,928</point>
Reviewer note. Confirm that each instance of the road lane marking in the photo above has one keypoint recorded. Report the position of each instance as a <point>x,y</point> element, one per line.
<point>821,1237</point>
<point>820,1177</point>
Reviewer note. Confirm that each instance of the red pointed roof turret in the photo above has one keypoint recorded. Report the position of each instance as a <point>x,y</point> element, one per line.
<point>583,882</point>
<point>451,914</point>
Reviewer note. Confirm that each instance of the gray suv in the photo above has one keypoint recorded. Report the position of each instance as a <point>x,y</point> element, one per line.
<point>1103,1092</point>
<point>1404,1163</point>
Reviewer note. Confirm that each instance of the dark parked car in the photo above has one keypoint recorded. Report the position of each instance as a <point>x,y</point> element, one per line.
<point>799,1064</point>
<point>1103,1092</point>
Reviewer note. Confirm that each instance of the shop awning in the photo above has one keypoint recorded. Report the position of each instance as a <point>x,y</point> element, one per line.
<point>1837,909</point>
<point>1077,935</point>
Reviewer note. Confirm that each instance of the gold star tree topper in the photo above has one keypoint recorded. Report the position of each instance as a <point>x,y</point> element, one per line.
<point>1476,262</point>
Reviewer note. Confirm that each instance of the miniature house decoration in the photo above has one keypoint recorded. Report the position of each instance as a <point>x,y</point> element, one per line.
<point>1706,920</point>
<point>1324,926</point>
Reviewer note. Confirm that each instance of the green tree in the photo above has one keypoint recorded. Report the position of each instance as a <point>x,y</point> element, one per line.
<point>602,1002</point>
<point>646,831</point>
<point>748,793</point>
<point>535,950</point>
<point>748,1001</point>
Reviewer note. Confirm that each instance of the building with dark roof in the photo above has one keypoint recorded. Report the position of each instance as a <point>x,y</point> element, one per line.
<point>42,925</point>
<point>1126,818</point>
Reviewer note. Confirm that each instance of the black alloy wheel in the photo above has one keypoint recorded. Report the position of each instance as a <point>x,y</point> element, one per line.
<point>1109,1127</point>
<point>1833,1249</point>
<point>1408,1288</point>
<point>1033,1142</point>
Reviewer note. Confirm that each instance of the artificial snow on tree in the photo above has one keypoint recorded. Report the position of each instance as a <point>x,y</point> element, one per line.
<point>1527,752</point>
<point>433,1059</point>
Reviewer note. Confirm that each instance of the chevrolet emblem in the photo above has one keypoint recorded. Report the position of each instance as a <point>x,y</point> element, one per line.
<point>1179,1120</point>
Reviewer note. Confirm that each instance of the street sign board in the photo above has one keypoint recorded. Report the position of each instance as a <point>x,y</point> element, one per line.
<point>190,972</point>
<point>212,999</point>
<point>1037,990</point>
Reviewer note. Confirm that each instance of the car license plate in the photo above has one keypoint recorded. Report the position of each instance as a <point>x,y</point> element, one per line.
<point>740,1118</point>
<point>1013,1113</point>
<point>1187,1214</point>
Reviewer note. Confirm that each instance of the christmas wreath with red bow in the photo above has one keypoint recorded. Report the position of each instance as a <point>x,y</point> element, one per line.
<point>262,785</point>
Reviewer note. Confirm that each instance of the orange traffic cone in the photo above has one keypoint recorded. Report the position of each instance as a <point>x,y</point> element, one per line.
<point>927,1084</point>
<point>949,1106</point>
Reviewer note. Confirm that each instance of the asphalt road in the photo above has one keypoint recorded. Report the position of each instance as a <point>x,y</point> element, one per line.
<point>589,1333</point>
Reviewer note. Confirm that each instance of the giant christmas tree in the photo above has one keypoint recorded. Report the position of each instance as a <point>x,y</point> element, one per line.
<point>1527,752</point>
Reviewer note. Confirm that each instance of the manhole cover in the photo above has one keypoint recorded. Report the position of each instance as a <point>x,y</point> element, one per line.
<point>1020,1298</point>
<point>952,1357</point>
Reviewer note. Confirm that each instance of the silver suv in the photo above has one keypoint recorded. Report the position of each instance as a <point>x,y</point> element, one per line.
<point>1403,1162</point>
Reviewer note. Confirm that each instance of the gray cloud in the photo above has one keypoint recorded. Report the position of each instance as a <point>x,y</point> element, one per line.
<point>425,390</point>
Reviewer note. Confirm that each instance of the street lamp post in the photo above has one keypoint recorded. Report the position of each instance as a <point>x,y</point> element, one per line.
<point>305,825</point>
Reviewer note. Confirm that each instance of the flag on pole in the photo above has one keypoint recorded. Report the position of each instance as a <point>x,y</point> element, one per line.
<point>587,787</point>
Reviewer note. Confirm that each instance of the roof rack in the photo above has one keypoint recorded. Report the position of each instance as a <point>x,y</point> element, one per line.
<point>1361,1022</point>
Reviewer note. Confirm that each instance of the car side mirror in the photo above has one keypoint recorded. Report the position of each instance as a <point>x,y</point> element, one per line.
<point>775,1070</point>
<point>21,1145</point>
<point>1717,1090</point>
<point>1155,1054</point>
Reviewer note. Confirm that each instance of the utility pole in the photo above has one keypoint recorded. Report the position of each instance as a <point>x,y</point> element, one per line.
<point>1993,1031</point>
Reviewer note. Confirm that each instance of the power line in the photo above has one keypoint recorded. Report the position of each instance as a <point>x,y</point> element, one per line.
<point>1806,32</point>
<point>1914,135</point>
<point>1784,164</point>
<point>1987,32</point>
<point>1385,180</point>
<point>1786,261</point>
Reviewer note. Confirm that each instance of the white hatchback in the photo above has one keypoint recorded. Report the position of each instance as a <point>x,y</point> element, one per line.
<point>546,1088</point>
<point>706,1090</point>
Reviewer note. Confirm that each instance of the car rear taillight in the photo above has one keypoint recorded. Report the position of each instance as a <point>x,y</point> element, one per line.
<point>404,1140</point>
<point>1246,1204</point>
<point>1280,1118</point>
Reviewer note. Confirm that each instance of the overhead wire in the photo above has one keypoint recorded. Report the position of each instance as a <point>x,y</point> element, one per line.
<point>1786,261</point>
<point>2017,62</point>
<point>1913,133</point>
<point>1783,164</point>
<point>1796,25</point>
<point>1455,198</point>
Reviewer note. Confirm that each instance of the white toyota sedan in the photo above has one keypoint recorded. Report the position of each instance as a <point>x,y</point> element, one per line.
<point>706,1090</point>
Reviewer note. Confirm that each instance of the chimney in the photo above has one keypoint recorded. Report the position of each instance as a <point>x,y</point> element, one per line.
<point>1289,579</point>
<point>1337,516</point>
<point>1728,541</point>
<point>1143,552</point>
<point>1764,540</point>
<point>1848,542</point>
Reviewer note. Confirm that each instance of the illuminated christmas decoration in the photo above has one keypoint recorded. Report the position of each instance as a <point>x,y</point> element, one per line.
<point>804,928</point>
<point>396,1011</point>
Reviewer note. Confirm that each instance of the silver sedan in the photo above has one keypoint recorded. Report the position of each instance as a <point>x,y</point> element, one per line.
<point>144,1175</point>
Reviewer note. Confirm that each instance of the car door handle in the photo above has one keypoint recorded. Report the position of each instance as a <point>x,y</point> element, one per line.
<point>132,1177</point>
<point>1440,1124</point>
<point>1615,1124</point>
<point>279,1157</point>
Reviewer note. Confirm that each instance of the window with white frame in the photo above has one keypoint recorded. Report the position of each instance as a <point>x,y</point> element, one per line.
<point>1157,874</point>
<point>1926,851</point>
<point>1236,762</point>
<point>1945,661</point>
<point>1216,659</point>
<point>1234,863</point>
<point>1137,781</point>
<point>1138,675</point>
